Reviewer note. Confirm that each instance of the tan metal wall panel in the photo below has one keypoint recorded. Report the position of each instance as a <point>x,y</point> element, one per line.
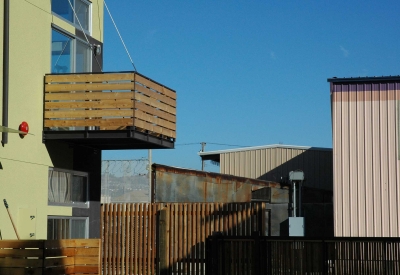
<point>366,165</point>
<point>276,162</point>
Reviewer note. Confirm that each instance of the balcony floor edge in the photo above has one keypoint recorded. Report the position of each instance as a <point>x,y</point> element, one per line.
<point>110,139</point>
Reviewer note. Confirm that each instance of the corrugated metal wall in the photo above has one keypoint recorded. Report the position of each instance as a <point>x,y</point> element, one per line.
<point>366,166</point>
<point>273,163</point>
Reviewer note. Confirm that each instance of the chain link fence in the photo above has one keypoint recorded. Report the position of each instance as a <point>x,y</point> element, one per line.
<point>125,181</point>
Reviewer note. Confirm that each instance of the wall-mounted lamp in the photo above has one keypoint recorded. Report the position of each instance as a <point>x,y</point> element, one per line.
<point>97,49</point>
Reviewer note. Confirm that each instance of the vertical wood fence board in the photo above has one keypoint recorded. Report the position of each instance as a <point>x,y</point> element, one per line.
<point>130,240</point>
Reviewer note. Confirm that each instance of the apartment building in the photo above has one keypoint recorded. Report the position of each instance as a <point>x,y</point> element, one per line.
<point>53,80</point>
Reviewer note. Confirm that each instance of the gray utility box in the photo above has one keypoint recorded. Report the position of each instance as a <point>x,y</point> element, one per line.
<point>296,226</point>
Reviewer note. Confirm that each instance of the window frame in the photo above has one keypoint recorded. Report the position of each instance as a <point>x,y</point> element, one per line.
<point>71,204</point>
<point>86,219</point>
<point>75,23</point>
<point>74,40</point>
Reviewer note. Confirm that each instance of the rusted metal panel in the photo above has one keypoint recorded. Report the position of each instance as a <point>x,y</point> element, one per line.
<point>172,184</point>
<point>365,118</point>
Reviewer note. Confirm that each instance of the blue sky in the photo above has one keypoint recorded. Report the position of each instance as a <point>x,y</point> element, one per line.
<point>250,73</point>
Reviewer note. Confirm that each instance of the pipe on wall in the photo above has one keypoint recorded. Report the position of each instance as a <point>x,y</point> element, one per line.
<point>6,38</point>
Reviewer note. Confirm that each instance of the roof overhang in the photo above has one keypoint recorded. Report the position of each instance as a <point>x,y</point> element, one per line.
<point>215,155</point>
<point>364,79</point>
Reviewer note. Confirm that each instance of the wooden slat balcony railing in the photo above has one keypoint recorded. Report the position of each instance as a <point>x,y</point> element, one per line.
<point>109,101</point>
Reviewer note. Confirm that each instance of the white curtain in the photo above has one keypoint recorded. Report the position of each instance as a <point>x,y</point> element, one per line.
<point>59,186</point>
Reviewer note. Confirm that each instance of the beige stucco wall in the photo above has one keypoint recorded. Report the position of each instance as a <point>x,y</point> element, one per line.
<point>25,162</point>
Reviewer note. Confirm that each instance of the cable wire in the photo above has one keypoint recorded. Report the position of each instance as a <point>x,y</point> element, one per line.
<point>222,144</point>
<point>116,28</point>
<point>83,31</point>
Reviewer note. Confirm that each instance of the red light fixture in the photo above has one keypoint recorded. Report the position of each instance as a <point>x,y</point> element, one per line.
<point>24,127</point>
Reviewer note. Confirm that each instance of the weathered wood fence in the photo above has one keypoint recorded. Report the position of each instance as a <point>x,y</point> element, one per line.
<point>160,238</point>
<point>301,256</point>
<point>41,257</point>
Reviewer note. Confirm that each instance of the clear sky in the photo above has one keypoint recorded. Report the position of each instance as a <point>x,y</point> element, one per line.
<point>250,73</point>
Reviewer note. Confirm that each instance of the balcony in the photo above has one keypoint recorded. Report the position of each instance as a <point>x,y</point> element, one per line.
<point>124,110</point>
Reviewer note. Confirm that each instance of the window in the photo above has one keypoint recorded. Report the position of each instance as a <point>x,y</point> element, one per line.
<point>68,188</point>
<point>67,228</point>
<point>63,9</point>
<point>69,54</point>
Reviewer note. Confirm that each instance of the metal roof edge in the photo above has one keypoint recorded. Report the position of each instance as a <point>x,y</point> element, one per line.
<point>364,79</point>
<point>263,147</point>
<point>195,172</point>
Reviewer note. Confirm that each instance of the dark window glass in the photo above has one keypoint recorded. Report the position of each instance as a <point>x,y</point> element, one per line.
<point>61,48</point>
<point>63,9</point>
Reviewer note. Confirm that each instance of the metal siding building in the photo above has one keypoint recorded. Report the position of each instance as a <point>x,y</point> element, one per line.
<point>272,162</point>
<point>365,153</point>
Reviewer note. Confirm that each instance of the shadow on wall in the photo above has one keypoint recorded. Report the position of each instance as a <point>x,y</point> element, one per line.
<point>317,166</point>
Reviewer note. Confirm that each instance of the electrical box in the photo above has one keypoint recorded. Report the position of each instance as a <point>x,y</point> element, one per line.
<point>296,226</point>
<point>296,175</point>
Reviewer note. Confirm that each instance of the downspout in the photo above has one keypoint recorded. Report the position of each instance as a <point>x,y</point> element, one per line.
<point>6,38</point>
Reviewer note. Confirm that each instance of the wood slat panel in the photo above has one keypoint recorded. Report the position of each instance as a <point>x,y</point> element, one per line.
<point>87,269</point>
<point>156,104</point>
<point>91,122</point>
<point>12,262</point>
<point>155,86</point>
<point>160,122</point>
<point>20,271</point>
<point>21,244</point>
<point>116,103</point>
<point>59,270</point>
<point>64,99</point>
<point>155,95</point>
<point>89,77</point>
<point>156,112</point>
<point>58,261</point>
<point>55,88</point>
<point>74,243</point>
<point>69,251</point>
<point>16,253</point>
<point>89,113</point>
<point>154,128</point>
<point>86,251</point>
<point>81,260</point>
<point>89,96</point>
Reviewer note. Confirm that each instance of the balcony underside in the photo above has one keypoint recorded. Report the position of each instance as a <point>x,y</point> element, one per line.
<point>110,139</point>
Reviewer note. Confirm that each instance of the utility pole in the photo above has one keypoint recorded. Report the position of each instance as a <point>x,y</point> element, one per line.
<point>203,145</point>
<point>150,185</point>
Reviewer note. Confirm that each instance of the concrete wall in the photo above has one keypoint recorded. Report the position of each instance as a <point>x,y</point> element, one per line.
<point>25,161</point>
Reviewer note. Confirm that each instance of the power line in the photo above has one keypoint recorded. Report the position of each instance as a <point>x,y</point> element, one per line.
<point>213,143</point>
